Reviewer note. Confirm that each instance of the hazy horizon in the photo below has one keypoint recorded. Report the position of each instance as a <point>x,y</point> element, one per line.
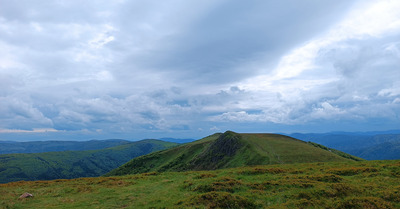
<point>73,70</point>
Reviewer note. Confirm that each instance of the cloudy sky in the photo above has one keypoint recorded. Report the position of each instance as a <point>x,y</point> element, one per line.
<point>72,69</point>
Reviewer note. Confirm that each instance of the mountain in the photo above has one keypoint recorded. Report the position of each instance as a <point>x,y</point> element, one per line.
<point>73,164</point>
<point>382,151</point>
<point>9,147</point>
<point>369,146</point>
<point>230,150</point>
<point>180,141</point>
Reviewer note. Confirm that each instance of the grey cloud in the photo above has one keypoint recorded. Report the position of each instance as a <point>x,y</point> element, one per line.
<point>365,89</point>
<point>366,66</point>
<point>54,11</point>
<point>174,66</point>
<point>229,35</point>
<point>19,114</point>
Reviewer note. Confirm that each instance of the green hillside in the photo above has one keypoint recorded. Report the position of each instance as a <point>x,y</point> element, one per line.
<point>10,147</point>
<point>347,184</point>
<point>73,164</point>
<point>229,150</point>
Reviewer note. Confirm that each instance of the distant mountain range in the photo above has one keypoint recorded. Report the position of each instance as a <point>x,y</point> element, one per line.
<point>180,141</point>
<point>230,150</point>
<point>369,146</point>
<point>9,147</point>
<point>74,164</point>
<point>44,160</point>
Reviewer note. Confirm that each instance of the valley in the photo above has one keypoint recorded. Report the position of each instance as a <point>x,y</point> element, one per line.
<point>73,164</point>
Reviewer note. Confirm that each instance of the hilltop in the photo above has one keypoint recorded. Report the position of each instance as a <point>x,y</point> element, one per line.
<point>73,164</point>
<point>229,150</point>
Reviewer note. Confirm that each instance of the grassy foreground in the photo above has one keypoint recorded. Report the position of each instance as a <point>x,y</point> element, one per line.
<point>365,184</point>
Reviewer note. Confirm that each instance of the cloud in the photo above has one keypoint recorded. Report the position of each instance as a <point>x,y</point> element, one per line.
<point>36,130</point>
<point>217,42</point>
<point>19,114</point>
<point>175,66</point>
<point>341,74</point>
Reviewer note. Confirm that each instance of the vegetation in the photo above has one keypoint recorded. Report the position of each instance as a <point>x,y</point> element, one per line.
<point>10,147</point>
<point>230,150</point>
<point>73,164</point>
<point>346,184</point>
<point>367,146</point>
<point>340,153</point>
<point>383,151</point>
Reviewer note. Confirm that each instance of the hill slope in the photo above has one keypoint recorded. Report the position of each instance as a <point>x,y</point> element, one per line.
<point>367,184</point>
<point>10,147</point>
<point>229,150</point>
<point>73,164</point>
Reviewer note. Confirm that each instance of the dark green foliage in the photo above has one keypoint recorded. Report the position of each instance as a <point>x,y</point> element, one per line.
<point>219,153</point>
<point>73,164</point>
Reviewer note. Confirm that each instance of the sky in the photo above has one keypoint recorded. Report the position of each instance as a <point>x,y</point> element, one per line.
<point>80,70</point>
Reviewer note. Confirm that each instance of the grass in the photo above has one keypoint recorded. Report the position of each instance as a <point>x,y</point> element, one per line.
<point>349,184</point>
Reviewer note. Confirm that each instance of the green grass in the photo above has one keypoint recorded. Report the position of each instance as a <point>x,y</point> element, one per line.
<point>346,184</point>
<point>73,164</point>
<point>282,149</point>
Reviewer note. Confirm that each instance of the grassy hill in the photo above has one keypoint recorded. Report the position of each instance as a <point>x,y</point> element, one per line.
<point>10,147</point>
<point>346,184</point>
<point>229,150</point>
<point>73,164</point>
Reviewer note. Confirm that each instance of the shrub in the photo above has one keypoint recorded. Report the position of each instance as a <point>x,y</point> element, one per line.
<point>257,170</point>
<point>352,171</point>
<point>302,203</point>
<point>331,178</point>
<point>339,190</point>
<point>391,194</point>
<point>364,202</point>
<point>224,184</point>
<point>206,175</point>
<point>150,174</point>
<point>220,200</point>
